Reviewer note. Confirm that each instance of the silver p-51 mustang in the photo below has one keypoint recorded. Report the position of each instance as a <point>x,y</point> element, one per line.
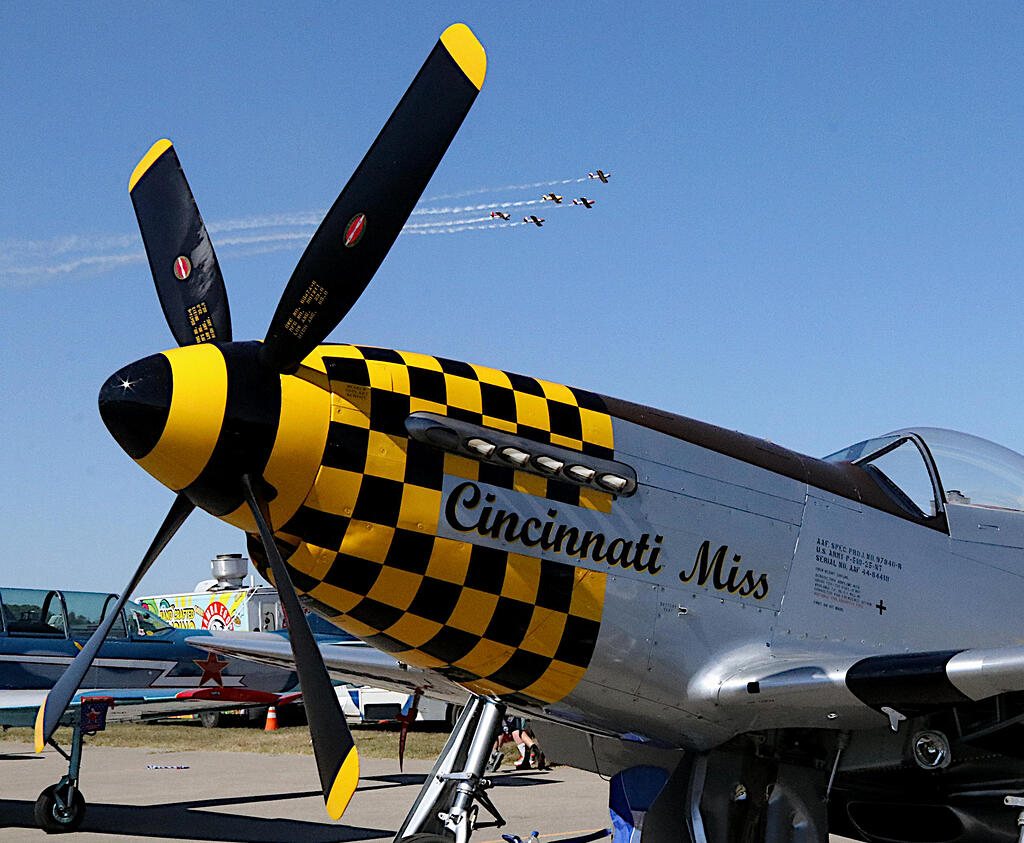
<point>755,645</point>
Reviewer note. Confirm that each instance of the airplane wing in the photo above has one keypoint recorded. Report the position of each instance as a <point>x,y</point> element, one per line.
<point>782,692</point>
<point>859,692</point>
<point>346,662</point>
<point>852,690</point>
<point>20,707</point>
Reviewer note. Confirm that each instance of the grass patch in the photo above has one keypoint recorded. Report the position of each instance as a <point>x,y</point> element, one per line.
<point>373,742</point>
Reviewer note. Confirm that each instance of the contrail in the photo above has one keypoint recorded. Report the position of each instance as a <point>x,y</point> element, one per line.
<point>35,262</point>
<point>487,206</point>
<point>14,277</point>
<point>302,236</point>
<point>506,187</point>
<point>314,217</point>
<point>19,249</point>
<point>457,229</point>
<point>269,221</point>
<point>419,226</point>
<point>32,276</point>
<point>441,227</point>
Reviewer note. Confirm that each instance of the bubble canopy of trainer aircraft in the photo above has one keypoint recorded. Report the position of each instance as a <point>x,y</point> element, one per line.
<point>973,471</point>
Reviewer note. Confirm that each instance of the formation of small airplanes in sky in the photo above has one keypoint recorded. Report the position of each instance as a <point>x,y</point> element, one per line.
<point>44,261</point>
<point>555,198</point>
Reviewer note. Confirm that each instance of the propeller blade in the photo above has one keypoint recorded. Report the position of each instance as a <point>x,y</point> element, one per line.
<point>64,689</point>
<point>185,269</point>
<point>368,215</point>
<point>335,750</point>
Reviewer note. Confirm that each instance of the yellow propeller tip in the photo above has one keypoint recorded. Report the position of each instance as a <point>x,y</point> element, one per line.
<point>40,743</point>
<point>468,52</point>
<point>344,786</point>
<point>155,151</point>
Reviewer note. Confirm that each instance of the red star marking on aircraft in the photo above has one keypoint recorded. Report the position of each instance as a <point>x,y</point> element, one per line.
<point>212,668</point>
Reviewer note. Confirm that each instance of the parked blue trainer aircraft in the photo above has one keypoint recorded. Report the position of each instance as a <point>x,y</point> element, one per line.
<point>144,670</point>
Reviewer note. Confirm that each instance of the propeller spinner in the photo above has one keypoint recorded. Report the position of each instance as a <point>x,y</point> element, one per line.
<point>174,412</point>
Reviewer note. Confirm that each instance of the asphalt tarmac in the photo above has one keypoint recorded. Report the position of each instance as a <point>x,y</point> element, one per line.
<point>144,794</point>
<point>227,796</point>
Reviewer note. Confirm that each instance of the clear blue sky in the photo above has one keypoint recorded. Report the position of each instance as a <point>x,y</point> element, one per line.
<point>814,230</point>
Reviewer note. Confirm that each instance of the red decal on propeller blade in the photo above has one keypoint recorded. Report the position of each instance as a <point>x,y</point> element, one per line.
<point>354,230</point>
<point>182,268</point>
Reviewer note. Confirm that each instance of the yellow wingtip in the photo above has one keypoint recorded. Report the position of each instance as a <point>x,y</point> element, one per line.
<point>40,743</point>
<point>344,786</point>
<point>468,52</point>
<point>155,151</point>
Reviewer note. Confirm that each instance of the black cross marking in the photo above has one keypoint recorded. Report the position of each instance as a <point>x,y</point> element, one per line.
<point>880,605</point>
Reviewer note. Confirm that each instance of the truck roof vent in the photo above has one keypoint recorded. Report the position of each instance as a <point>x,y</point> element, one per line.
<point>229,569</point>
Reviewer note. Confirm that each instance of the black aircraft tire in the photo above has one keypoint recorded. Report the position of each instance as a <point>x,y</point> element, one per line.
<point>51,819</point>
<point>210,719</point>
<point>423,837</point>
<point>452,715</point>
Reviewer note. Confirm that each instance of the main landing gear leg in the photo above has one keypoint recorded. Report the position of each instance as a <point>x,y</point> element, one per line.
<point>723,796</point>
<point>1017,802</point>
<point>736,796</point>
<point>445,811</point>
<point>61,806</point>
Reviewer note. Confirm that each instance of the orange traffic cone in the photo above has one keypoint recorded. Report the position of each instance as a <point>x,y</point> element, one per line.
<point>271,720</point>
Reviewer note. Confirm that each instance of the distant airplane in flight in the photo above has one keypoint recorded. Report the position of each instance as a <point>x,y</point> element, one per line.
<point>537,221</point>
<point>552,197</point>
<point>586,203</point>
<point>600,174</point>
<point>501,214</point>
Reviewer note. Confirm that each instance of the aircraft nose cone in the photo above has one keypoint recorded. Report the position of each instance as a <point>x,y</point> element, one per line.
<point>135,403</point>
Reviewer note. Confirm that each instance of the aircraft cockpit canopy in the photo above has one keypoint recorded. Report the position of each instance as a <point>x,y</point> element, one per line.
<point>58,614</point>
<point>921,465</point>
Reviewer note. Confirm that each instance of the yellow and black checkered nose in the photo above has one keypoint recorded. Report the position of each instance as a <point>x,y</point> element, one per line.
<point>366,547</point>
